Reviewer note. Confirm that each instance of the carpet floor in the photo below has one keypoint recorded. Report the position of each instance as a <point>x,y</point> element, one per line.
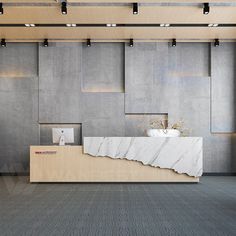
<point>207,208</point>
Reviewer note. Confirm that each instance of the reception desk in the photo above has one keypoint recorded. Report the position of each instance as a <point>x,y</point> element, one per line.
<point>71,164</point>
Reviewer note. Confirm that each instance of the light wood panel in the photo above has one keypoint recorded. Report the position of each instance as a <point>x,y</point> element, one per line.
<point>69,164</point>
<point>103,33</point>
<point>117,14</point>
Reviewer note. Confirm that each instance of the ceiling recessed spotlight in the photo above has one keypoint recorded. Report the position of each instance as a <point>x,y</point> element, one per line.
<point>45,43</point>
<point>30,25</point>
<point>217,43</point>
<point>1,9</point>
<point>3,43</point>
<point>111,25</point>
<point>173,43</point>
<point>73,25</point>
<point>135,8</point>
<point>131,42</point>
<point>64,8</point>
<point>206,8</point>
<point>88,43</point>
<point>212,25</point>
<point>164,25</point>
<point>68,25</point>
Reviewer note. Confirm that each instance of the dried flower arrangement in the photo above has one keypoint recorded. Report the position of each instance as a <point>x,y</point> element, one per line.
<point>163,124</point>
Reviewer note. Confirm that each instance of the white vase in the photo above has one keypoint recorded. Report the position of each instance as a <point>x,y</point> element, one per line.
<point>163,133</point>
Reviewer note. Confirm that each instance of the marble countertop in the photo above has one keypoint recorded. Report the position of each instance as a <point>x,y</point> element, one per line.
<point>181,154</point>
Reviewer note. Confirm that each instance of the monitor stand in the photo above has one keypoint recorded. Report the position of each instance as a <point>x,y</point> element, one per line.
<point>62,141</point>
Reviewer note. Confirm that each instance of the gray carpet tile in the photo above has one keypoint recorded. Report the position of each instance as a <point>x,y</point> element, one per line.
<point>207,208</point>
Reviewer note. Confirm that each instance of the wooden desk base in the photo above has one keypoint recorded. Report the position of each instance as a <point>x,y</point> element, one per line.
<point>70,164</point>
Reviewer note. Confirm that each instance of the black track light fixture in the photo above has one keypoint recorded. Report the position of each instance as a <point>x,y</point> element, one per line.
<point>173,43</point>
<point>3,43</point>
<point>1,9</point>
<point>135,8</point>
<point>206,8</point>
<point>64,8</point>
<point>217,43</point>
<point>131,42</point>
<point>45,43</point>
<point>88,42</point>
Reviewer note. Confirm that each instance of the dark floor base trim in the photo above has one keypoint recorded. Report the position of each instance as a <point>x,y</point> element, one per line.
<point>15,174</point>
<point>218,174</point>
<point>115,183</point>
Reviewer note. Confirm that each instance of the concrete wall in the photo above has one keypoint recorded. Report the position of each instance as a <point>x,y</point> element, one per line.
<point>111,89</point>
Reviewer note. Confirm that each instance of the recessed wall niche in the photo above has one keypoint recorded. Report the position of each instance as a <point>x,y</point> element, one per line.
<point>137,124</point>
<point>103,67</point>
<point>46,133</point>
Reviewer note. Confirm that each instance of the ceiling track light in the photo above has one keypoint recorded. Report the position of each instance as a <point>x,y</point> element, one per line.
<point>3,43</point>
<point>1,8</point>
<point>217,43</point>
<point>173,43</point>
<point>135,8</point>
<point>45,43</point>
<point>206,8</point>
<point>131,42</point>
<point>64,8</point>
<point>88,42</point>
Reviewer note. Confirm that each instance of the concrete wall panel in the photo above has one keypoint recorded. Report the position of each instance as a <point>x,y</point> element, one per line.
<point>18,122</point>
<point>103,67</point>
<point>60,83</point>
<point>19,60</point>
<point>223,85</point>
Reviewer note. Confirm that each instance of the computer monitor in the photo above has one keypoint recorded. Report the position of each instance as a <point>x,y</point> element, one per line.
<point>63,135</point>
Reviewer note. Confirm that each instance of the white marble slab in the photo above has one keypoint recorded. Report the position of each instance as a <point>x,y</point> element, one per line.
<point>182,154</point>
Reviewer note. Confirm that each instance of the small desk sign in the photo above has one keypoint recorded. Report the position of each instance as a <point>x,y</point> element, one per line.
<point>46,152</point>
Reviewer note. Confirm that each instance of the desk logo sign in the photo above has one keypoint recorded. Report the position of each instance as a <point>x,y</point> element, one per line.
<point>46,152</point>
